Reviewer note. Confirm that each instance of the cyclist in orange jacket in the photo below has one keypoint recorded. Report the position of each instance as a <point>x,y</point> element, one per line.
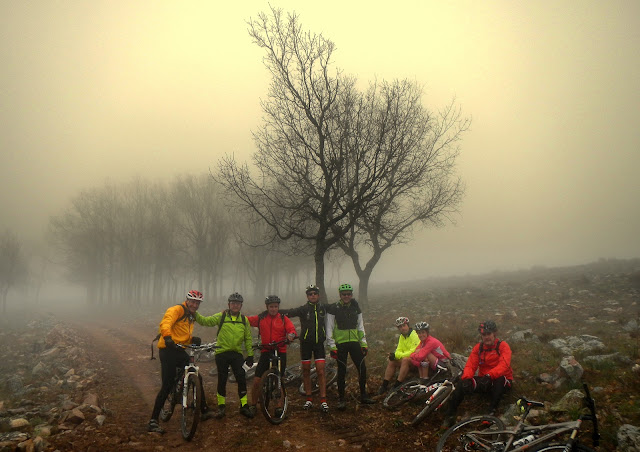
<point>176,327</point>
<point>488,369</point>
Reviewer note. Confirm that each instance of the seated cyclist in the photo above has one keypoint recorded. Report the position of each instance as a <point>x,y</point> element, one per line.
<point>488,370</point>
<point>426,358</point>
<point>272,327</point>
<point>430,353</point>
<point>407,343</point>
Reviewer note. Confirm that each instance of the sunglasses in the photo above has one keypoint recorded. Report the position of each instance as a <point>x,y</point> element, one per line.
<point>346,294</point>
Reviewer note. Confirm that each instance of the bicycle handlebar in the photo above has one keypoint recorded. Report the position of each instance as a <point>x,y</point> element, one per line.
<point>202,347</point>
<point>274,344</point>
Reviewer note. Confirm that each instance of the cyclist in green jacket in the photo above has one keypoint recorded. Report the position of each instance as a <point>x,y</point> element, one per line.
<point>234,330</point>
<point>346,336</point>
<point>407,344</point>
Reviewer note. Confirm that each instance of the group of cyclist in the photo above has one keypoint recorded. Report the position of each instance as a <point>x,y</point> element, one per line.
<point>341,326</point>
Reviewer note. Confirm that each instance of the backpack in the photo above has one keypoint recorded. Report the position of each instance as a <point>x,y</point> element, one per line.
<point>497,349</point>
<point>185,315</point>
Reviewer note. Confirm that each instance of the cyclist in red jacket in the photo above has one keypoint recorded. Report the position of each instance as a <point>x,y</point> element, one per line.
<point>272,327</point>
<point>488,369</point>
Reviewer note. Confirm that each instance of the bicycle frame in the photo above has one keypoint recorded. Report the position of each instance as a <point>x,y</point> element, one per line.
<point>554,430</point>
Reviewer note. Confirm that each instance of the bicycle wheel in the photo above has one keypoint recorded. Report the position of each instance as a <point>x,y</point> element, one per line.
<point>273,399</point>
<point>292,374</point>
<point>170,403</point>
<point>434,402</point>
<point>248,374</point>
<point>550,447</point>
<point>402,394</point>
<point>455,438</point>
<point>191,409</point>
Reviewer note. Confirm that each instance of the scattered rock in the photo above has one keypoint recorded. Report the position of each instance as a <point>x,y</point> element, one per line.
<point>628,438</point>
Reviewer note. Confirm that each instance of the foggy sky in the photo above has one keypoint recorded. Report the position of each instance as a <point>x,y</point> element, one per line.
<point>113,89</point>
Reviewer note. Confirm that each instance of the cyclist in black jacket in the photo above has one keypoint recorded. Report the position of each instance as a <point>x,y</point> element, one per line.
<point>312,336</point>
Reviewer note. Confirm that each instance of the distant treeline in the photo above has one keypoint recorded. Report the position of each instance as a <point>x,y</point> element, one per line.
<point>143,243</point>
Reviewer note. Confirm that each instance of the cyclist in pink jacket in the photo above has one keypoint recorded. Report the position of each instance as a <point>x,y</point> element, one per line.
<point>426,358</point>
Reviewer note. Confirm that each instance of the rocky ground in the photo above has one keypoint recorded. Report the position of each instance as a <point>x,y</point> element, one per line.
<point>83,380</point>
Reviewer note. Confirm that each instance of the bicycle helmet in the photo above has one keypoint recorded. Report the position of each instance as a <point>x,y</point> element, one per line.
<point>421,326</point>
<point>488,326</point>
<point>236,297</point>
<point>194,295</point>
<point>345,288</point>
<point>272,299</point>
<point>401,321</point>
<point>312,288</point>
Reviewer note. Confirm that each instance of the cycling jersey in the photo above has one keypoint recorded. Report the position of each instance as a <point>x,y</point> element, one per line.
<point>176,324</point>
<point>429,345</point>
<point>312,321</point>
<point>407,344</point>
<point>272,328</point>
<point>489,362</point>
<point>345,324</point>
<point>233,332</point>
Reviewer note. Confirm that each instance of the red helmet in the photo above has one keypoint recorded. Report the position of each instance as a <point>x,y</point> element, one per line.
<point>194,295</point>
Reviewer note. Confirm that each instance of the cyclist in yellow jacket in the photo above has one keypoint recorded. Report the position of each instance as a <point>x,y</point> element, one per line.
<point>176,327</point>
<point>407,344</point>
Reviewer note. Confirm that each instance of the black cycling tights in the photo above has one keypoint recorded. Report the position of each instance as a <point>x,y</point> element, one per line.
<point>353,349</point>
<point>235,360</point>
<point>170,359</point>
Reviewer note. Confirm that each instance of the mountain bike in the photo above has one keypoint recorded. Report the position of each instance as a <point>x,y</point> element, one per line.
<point>273,397</point>
<point>187,389</point>
<point>330,376</point>
<point>436,399</point>
<point>249,373</point>
<point>487,433</point>
<point>415,389</point>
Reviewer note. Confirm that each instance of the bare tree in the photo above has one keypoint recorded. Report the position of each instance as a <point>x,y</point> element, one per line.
<point>14,268</point>
<point>330,156</point>
<point>419,188</point>
<point>309,186</point>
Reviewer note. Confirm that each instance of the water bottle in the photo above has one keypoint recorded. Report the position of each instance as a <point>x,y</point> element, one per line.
<point>523,441</point>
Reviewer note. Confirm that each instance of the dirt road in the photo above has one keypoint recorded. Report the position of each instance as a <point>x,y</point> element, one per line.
<point>130,380</point>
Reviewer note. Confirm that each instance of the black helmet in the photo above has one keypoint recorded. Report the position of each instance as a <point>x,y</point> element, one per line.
<point>488,326</point>
<point>236,297</point>
<point>312,288</point>
<point>272,299</point>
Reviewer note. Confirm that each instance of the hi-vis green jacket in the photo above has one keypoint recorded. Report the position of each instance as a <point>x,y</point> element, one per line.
<point>407,344</point>
<point>233,331</point>
<point>344,324</point>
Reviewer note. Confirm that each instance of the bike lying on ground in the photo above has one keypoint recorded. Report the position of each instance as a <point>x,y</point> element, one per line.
<point>436,399</point>
<point>417,388</point>
<point>187,390</point>
<point>487,433</point>
<point>273,397</point>
<point>330,376</point>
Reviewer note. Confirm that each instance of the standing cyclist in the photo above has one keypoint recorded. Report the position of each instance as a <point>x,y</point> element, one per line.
<point>490,359</point>
<point>272,327</point>
<point>346,336</point>
<point>176,327</point>
<point>233,331</point>
<point>312,336</point>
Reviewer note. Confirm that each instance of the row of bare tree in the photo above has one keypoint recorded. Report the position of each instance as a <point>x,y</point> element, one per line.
<point>148,242</point>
